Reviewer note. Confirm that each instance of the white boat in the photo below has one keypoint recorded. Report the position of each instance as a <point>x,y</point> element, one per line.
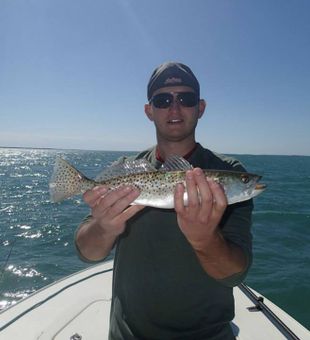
<point>78,306</point>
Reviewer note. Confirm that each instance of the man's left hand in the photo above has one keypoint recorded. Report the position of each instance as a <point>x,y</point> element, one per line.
<point>199,219</point>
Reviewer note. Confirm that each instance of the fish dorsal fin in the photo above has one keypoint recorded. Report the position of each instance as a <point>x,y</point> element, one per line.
<point>128,167</point>
<point>174,163</point>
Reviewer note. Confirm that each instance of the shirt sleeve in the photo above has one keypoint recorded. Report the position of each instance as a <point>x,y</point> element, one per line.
<point>80,255</point>
<point>236,228</point>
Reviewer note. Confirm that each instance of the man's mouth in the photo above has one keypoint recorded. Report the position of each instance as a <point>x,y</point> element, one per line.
<point>175,121</point>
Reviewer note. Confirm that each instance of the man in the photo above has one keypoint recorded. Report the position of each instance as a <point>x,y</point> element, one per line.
<point>174,269</point>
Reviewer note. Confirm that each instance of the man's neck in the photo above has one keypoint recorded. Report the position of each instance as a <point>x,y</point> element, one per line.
<point>164,150</point>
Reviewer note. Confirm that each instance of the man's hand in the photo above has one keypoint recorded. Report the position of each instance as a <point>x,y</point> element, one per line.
<point>111,209</point>
<point>199,222</point>
<point>206,205</point>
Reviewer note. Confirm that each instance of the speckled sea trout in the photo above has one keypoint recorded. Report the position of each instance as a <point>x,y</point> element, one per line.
<point>156,186</point>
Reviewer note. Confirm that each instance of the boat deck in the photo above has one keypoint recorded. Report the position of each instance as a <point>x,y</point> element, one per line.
<point>78,306</point>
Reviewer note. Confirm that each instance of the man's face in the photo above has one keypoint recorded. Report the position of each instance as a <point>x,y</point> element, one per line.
<point>176,122</point>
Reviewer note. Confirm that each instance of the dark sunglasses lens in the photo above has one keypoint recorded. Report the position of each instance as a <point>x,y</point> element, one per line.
<point>162,100</point>
<point>188,99</point>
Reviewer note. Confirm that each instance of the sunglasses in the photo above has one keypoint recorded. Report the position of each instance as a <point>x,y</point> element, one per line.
<point>164,100</point>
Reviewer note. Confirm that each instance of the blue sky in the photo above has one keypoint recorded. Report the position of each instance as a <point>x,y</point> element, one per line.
<point>73,73</point>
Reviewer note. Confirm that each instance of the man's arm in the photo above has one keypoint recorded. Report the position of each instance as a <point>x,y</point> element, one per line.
<point>199,222</point>
<point>110,211</point>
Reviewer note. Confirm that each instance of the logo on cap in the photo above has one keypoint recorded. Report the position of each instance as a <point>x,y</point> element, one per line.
<point>173,81</point>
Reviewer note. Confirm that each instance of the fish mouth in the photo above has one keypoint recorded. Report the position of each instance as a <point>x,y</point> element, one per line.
<point>260,187</point>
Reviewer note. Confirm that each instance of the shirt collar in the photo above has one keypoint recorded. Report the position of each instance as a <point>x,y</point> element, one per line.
<point>187,156</point>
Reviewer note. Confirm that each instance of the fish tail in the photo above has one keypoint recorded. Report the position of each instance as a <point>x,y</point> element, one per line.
<point>66,181</point>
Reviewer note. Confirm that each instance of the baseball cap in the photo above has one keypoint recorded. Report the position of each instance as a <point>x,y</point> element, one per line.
<point>172,74</point>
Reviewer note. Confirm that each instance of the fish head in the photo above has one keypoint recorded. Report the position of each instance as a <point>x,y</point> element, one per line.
<point>241,186</point>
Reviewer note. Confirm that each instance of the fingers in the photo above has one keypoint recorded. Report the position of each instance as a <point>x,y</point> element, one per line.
<point>179,198</point>
<point>91,196</point>
<point>111,203</point>
<point>219,202</point>
<point>205,196</point>
<point>196,189</point>
<point>193,181</point>
<point>118,200</point>
<point>128,213</point>
<point>218,194</point>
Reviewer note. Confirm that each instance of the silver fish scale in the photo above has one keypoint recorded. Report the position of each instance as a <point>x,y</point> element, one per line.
<point>149,183</point>
<point>156,188</point>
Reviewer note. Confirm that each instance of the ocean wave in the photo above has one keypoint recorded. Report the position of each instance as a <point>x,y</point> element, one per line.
<point>25,272</point>
<point>8,209</point>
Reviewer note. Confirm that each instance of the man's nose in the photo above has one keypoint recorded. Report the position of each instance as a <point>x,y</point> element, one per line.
<point>175,105</point>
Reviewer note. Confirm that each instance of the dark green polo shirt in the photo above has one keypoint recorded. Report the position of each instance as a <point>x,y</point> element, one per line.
<point>160,290</point>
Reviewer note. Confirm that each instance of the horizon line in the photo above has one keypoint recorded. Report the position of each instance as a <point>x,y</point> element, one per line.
<point>101,150</point>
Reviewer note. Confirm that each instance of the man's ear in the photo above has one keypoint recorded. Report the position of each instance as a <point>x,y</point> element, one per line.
<point>148,111</point>
<point>201,108</point>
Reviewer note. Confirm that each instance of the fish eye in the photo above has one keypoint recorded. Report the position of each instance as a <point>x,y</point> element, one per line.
<point>245,179</point>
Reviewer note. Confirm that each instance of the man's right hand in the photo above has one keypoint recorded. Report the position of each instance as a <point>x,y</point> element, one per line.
<point>111,209</point>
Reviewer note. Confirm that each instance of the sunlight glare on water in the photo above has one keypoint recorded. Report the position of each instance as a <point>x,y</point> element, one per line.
<point>36,236</point>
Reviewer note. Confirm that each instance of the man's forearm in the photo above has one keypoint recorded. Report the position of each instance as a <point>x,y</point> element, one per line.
<point>92,242</point>
<point>220,258</point>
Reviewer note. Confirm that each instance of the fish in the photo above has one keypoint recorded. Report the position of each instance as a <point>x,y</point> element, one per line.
<point>156,186</point>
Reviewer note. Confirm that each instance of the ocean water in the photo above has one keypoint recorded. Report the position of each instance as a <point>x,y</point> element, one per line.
<point>36,236</point>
